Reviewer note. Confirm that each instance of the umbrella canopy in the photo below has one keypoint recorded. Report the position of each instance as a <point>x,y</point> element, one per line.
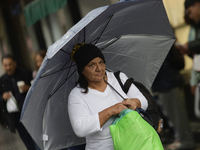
<point>134,36</point>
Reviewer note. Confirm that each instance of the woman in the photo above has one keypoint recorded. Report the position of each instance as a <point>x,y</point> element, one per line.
<point>39,56</point>
<point>93,104</point>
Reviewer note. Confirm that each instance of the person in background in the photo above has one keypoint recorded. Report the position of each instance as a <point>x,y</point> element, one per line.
<point>194,36</point>
<point>168,85</point>
<point>93,104</point>
<point>39,56</point>
<point>195,75</point>
<point>9,88</point>
<point>38,59</point>
<point>192,10</point>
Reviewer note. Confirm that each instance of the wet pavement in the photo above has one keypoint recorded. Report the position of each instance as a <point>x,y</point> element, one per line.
<point>196,131</point>
<point>9,141</point>
<point>195,127</point>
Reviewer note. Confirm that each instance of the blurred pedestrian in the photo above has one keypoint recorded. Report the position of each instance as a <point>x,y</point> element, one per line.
<point>192,47</point>
<point>38,59</point>
<point>39,56</point>
<point>192,17</point>
<point>195,75</point>
<point>169,87</point>
<point>9,91</point>
<point>192,10</point>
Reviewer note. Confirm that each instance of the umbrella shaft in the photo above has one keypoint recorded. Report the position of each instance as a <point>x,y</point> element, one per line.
<point>114,89</point>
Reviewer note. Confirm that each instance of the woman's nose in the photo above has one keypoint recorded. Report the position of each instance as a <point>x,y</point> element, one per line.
<point>98,67</point>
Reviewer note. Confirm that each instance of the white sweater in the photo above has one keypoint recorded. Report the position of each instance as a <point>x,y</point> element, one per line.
<point>84,109</point>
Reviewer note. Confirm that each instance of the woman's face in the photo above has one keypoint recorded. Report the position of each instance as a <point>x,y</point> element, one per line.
<point>38,61</point>
<point>94,71</point>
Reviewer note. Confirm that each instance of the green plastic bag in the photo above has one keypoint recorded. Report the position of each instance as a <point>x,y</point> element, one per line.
<point>131,132</point>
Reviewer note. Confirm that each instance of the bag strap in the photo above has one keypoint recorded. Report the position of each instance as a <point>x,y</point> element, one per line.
<point>125,88</point>
<point>118,79</point>
<point>140,86</point>
<point>127,84</point>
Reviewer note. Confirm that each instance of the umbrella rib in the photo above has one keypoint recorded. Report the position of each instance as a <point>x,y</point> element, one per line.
<point>66,64</point>
<point>84,36</point>
<point>69,68</point>
<point>60,85</point>
<point>65,51</point>
<point>97,39</point>
<point>68,59</point>
<point>57,71</point>
<point>113,41</point>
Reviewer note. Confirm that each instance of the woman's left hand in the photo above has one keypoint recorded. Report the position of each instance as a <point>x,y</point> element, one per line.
<point>132,103</point>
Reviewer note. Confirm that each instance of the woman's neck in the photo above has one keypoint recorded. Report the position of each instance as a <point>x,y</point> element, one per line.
<point>100,86</point>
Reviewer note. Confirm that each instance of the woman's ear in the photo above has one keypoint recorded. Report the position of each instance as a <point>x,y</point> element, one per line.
<point>82,72</point>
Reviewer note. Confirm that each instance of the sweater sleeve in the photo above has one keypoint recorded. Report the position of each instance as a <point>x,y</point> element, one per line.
<point>83,123</point>
<point>134,92</point>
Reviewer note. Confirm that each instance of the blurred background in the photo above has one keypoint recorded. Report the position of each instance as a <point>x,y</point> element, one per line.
<point>27,26</point>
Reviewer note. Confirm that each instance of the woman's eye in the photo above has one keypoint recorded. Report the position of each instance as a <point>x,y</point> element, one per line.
<point>91,65</point>
<point>101,62</point>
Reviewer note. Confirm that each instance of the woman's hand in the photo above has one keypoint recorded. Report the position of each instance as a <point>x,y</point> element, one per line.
<point>117,108</point>
<point>132,103</point>
<point>6,96</point>
<point>110,111</point>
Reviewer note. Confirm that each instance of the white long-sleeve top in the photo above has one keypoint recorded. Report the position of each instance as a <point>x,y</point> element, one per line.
<point>84,108</point>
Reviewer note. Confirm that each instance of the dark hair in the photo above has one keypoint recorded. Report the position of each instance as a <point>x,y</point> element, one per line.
<point>8,56</point>
<point>188,20</point>
<point>42,53</point>
<point>83,83</point>
<point>189,3</point>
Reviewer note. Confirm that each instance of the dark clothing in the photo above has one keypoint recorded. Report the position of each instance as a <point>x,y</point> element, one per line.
<point>194,46</point>
<point>9,83</point>
<point>24,135</point>
<point>79,147</point>
<point>169,87</point>
<point>168,76</point>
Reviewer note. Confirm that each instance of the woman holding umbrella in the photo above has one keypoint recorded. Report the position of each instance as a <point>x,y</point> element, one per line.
<point>93,104</point>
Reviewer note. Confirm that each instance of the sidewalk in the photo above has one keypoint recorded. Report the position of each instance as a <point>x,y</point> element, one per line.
<point>195,127</point>
<point>9,141</point>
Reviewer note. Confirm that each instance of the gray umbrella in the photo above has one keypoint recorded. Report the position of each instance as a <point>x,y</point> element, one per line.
<point>134,36</point>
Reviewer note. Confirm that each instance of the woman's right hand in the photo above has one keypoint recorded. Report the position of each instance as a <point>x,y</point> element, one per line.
<point>110,111</point>
<point>6,96</point>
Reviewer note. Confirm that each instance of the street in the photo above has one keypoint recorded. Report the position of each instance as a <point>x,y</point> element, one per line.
<point>9,141</point>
